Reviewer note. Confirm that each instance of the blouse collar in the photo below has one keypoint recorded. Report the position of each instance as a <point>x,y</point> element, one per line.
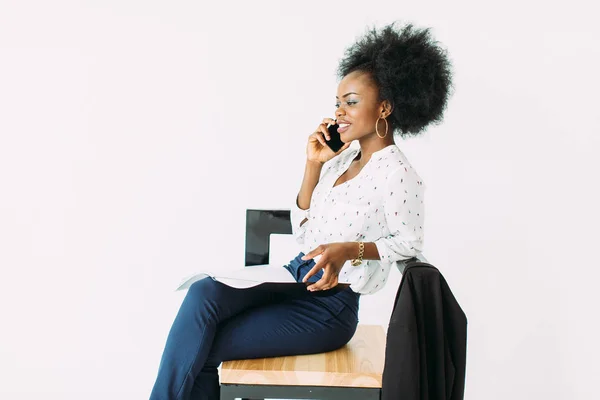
<point>378,152</point>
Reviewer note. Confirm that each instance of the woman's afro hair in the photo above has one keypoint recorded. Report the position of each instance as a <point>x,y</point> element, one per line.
<point>411,71</point>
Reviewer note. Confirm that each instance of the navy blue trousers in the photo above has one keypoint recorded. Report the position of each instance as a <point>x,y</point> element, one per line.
<point>217,323</point>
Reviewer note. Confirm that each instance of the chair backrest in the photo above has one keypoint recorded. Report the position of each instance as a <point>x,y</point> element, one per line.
<point>260,224</point>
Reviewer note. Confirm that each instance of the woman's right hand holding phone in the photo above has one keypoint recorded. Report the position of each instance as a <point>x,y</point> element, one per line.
<point>317,149</point>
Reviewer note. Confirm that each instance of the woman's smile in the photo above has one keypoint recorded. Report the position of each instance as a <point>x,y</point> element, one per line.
<point>343,127</point>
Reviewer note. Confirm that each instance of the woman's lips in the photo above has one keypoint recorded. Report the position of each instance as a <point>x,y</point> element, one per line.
<point>343,128</point>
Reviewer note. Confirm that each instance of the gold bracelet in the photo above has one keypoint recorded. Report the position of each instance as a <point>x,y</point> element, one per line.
<point>361,251</point>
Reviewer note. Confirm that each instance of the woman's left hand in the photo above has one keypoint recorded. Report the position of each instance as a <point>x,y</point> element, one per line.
<point>333,257</point>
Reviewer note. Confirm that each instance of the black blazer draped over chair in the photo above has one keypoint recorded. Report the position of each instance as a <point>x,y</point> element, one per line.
<point>425,356</point>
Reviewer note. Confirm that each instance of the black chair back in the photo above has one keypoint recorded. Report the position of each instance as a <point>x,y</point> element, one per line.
<point>259,225</point>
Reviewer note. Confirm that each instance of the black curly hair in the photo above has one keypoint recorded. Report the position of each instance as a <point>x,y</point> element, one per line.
<point>411,71</point>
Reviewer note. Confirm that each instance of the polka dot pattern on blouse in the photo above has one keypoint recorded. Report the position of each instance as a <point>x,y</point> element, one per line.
<point>383,203</point>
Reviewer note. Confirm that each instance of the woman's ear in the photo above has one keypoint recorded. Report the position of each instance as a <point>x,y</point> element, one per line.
<point>386,109</point>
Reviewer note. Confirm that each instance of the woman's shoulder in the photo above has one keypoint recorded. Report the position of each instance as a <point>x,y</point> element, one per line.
<point>399,166</point>
<point>390,160</point>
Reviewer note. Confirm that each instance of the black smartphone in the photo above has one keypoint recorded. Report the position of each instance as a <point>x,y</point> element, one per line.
<point>334,143</point>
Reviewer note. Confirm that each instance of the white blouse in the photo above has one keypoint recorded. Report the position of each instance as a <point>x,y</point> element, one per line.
<point>382,204</point>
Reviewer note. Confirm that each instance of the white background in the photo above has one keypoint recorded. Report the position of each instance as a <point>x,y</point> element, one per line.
<point>134,134</point>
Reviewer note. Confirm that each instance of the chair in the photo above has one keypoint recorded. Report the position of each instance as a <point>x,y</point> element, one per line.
<point>353,372</point>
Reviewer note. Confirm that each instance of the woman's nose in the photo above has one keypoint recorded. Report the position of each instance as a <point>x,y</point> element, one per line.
<point>339,112</point>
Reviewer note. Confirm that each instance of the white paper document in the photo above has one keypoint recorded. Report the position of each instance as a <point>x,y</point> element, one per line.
<point>247,277</point>
<point>244,277</point>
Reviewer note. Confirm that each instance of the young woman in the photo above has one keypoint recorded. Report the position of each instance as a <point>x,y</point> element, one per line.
<point>358,212</point>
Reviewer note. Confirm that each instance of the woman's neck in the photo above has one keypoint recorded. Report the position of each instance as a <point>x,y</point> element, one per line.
<point>369,145</point>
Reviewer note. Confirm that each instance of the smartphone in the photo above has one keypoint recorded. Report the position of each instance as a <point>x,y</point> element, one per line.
<point>334,143</point>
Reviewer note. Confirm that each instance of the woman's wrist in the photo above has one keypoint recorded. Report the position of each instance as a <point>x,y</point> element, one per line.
<point>314,163</point>
<point>351,250</point>
<point>370,251</point>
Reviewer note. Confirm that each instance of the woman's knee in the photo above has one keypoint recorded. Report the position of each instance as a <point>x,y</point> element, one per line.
<point>348,327</point>
<point>205,295</point>
<point>206,288</point>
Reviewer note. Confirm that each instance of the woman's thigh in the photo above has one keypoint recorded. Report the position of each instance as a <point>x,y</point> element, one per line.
<point>292,327</point>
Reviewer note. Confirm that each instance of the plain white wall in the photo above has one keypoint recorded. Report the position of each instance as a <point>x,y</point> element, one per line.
<point>134,134</point>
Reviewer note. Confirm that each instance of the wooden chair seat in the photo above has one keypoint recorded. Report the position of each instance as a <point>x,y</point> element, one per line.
<point>359,364</point>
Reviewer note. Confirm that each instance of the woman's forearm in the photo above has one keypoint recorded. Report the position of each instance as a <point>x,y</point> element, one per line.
<point>312,172</point>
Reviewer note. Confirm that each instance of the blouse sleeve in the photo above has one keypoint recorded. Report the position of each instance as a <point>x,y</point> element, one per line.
<point>297,215</point>
<point>403,207</point>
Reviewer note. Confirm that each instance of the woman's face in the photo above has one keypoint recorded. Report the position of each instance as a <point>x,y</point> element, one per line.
<point>357,106</point>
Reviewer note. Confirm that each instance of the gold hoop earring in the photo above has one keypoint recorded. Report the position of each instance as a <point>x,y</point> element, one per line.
<point>377,130</point>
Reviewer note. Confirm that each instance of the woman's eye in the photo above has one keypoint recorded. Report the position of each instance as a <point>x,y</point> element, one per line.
<point>337,105</point>
<point>351,102</point>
